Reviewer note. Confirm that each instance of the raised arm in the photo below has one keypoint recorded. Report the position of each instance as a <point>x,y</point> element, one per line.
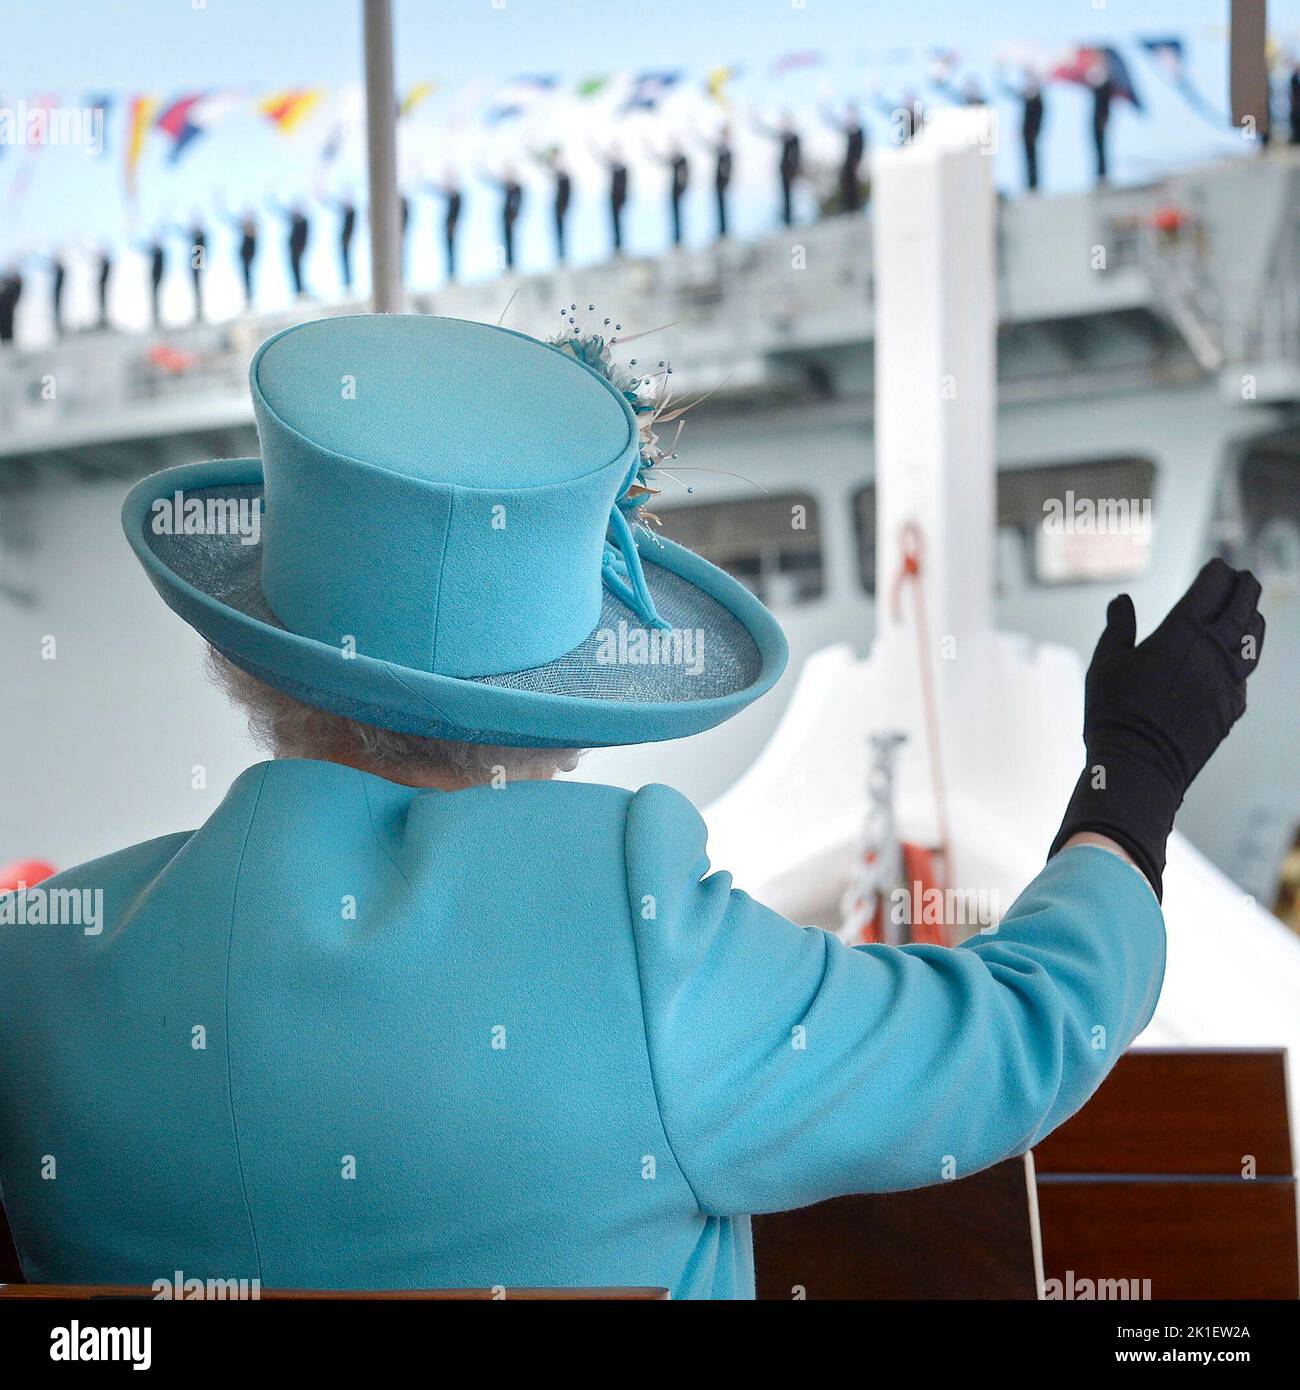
<point>791,1068</point>
<point>1154,711</point>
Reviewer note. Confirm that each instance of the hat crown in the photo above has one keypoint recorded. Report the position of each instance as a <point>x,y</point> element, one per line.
<point>437,491</point>
<point>451,506</point>
<point>441,400</point>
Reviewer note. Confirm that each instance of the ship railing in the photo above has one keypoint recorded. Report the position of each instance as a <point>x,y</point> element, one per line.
<point>735,308</point>
<point>1173,250</point>
<point>805,286</point>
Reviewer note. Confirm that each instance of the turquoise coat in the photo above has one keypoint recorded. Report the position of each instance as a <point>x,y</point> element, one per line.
<point>349,1034</point>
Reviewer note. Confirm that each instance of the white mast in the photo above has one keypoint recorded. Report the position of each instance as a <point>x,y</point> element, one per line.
<point>936,396</point>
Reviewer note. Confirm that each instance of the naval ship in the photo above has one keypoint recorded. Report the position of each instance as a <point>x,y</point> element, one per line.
<point>1147,372</point>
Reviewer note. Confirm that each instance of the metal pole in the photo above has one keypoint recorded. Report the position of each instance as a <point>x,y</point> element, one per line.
<point>381,154</point>
<point>1248,64</point>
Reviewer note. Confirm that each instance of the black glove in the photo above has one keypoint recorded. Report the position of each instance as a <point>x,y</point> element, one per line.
<point>1153,713</point>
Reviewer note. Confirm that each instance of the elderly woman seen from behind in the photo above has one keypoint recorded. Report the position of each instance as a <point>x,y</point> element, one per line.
<point>405,1012</point>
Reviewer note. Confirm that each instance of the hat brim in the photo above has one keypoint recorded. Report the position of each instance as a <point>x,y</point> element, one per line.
<point>610,690</point>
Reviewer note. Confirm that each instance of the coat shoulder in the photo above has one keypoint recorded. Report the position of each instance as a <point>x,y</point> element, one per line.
<point>143,860</point>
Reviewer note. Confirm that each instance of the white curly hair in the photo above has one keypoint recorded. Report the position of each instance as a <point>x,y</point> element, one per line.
<point>290,729</point>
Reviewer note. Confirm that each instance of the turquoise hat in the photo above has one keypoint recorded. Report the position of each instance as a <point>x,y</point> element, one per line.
<point>443,536</point>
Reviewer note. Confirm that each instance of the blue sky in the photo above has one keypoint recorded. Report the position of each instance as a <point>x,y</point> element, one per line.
<point>471,47</point>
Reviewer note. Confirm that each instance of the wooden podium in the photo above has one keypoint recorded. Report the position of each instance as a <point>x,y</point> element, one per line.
<point>971,1238</point>
<point>1176,1180</point>
<point>1180,1171</point>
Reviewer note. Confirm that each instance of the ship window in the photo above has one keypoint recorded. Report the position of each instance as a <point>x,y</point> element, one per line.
<point>1083,521</point>
<point>1270,505</point>
<point>1060,523</point>
<point>771,544</point>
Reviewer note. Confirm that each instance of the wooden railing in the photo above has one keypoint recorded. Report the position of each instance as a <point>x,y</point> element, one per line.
<point>1179,1171</point>
<point>1175,1181</point>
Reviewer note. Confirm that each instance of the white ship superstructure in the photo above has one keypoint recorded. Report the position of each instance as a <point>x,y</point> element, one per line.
<point>1148,348</point>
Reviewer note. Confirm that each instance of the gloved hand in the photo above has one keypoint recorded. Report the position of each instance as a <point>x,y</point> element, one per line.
<point>1153,713</point>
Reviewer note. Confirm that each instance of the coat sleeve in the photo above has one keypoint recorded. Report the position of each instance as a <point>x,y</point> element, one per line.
<point>790,1068</point>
